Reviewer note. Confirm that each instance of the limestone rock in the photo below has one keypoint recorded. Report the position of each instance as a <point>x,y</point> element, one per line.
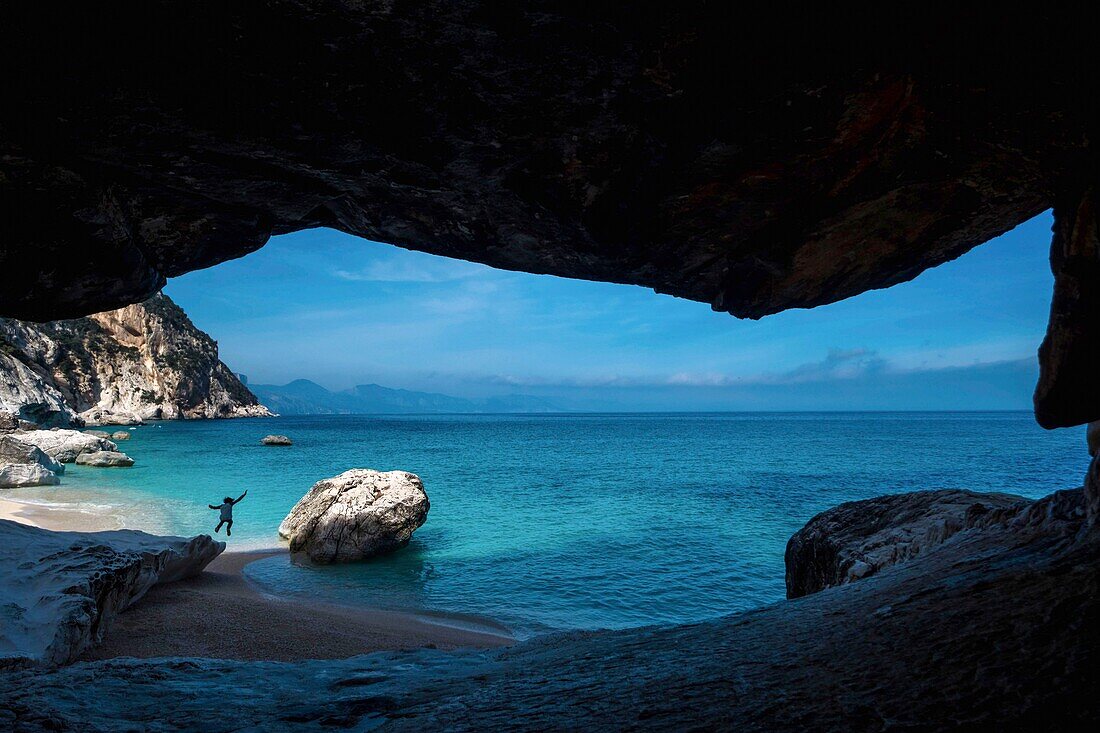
<point>276,440</point>
<point>120,435</point>
<point>356,515</point>
<point>66,445</point>
<point>859,538</point>
<point>61,589</point>
<point>10,422</point>
<point>105,459</point>
<point>99,434</point>
<point>15,475</point>
<point>23,464</point>
<point>142,362</point>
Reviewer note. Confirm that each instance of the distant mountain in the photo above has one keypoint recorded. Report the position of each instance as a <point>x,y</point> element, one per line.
<point>303,397</point>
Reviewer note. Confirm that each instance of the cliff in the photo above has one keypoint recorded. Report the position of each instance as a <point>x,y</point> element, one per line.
<point>145,361</point>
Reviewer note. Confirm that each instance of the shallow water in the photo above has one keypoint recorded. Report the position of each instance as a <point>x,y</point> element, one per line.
<point>571,521</point>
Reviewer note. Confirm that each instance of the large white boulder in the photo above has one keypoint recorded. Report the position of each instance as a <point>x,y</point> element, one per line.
<point>66,445</point>
<point>61,589</point>
<point>16,475</point>
<point>23,464</point>
<point>356,515</point>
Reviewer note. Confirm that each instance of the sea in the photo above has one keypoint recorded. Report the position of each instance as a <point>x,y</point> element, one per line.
<point>557,522</point>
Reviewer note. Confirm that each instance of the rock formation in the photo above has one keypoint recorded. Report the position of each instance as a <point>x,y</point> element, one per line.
<point>276,440</point>
<point>859,538</point>
<point>65,445</point>
<point>356,515</point>
<point>990,630</point>
<point>23,464</point>
<point>61,589</point>
<point>120,435</point>
<point>105,459</point>
<point>145,361</point>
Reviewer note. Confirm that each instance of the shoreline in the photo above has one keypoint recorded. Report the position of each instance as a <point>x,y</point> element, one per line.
<point>220,614</point>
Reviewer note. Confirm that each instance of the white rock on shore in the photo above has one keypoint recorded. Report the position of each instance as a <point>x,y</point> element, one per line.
<point>61,589</point>
<point>105,459</point>
<point>65,445</point>
<point>23,464</point>
<point>356,515</point>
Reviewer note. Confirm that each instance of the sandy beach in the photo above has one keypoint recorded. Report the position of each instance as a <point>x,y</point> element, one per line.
<point>58,518</point>
<point>219,614</point>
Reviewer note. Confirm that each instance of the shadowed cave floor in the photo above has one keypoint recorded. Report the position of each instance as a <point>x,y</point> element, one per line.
<point>995,629</point>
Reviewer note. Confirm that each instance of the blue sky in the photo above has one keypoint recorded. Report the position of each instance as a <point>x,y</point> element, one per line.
<point>342,311</point>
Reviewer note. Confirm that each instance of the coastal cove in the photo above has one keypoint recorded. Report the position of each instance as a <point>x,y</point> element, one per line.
<point>623,521</point>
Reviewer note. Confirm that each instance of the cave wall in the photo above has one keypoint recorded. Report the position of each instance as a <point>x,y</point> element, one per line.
<point>755,160</point>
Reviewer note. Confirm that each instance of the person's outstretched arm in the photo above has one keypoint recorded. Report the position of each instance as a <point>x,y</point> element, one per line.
<point>241,496</point>
<point>214,507</point>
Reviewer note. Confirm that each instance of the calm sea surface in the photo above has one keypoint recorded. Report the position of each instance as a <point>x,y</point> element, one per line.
<point>571,521</point>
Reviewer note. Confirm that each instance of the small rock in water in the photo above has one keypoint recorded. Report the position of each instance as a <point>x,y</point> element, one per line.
<point>356,515</point>
<point>121,435</point>
<point>277,440</point>
<point>99,434</point>
<point>105,459</point>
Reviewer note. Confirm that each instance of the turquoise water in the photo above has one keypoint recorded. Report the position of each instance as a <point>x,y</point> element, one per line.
<point>574,521</point>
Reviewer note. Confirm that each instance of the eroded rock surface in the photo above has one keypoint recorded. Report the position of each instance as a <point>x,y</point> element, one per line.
<point>857,539</point>
<point>59,590</point>
<point>356,515</point>
<point>991,630</point>
<point>276,440</point>
<point>141,362</point>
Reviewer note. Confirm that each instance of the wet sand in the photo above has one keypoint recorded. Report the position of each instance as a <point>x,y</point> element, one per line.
<point>57,518</point>
<point>219,614</point>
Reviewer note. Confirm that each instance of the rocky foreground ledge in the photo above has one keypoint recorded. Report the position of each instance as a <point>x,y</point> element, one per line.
<point>60,590</point>
<point>992,628</point>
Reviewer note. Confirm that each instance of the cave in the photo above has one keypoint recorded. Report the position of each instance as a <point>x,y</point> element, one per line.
<point>756,161</point>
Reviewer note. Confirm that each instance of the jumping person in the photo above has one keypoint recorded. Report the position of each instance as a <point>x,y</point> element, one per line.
<point>227,513</point>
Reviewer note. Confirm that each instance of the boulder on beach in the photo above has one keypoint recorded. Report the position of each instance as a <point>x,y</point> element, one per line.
<point>276,440</point>
<point>121,435</point>
<point>23,464</point>
<point>105,459</point>
<point>99,434</point>
<point>17,475</point>
<point>356,515</point>
<point>66,445</point>
<point>63,589</point>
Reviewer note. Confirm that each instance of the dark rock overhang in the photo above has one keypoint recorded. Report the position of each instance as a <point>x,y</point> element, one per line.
<point>786,158</point>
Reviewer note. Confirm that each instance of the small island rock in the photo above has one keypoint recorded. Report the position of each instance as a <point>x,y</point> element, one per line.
<point>98,434</point>
<point>105,459</point>
<point>121,435</point>
<point>356,515</point>
<point>277,440</point>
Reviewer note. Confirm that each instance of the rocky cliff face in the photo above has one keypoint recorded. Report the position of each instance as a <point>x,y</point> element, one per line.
<point>144,361</point>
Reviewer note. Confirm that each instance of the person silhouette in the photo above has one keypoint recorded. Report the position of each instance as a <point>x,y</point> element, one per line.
<point>227,513</point>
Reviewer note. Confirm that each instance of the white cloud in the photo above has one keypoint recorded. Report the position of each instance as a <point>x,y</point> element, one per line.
<point>437,270</point>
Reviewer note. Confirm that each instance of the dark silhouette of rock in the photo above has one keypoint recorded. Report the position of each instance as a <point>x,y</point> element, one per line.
<point>859,538</point>
<point>654,146</point>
